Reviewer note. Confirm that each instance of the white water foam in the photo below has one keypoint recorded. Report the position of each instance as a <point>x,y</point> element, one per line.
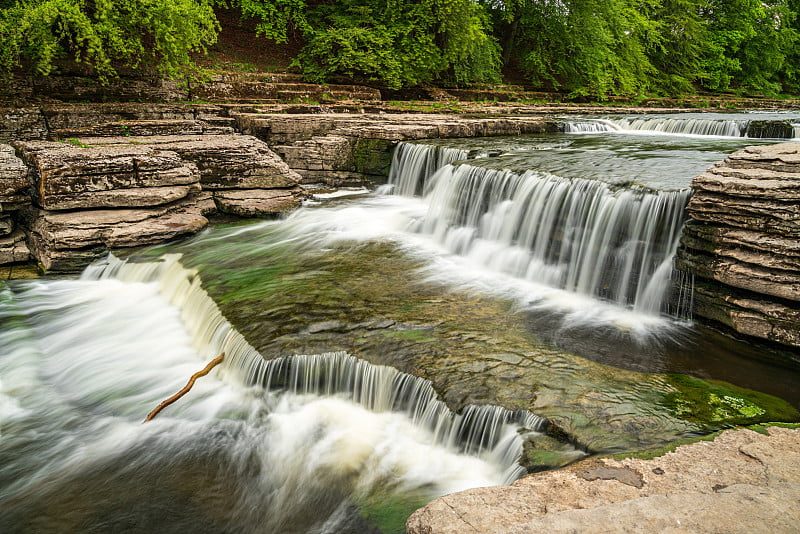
<point>83,361</point>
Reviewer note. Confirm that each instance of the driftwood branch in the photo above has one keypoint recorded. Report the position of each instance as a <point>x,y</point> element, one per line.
<point>207,369</point>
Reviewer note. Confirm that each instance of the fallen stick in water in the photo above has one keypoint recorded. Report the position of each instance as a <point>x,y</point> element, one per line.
<point>207,369</point>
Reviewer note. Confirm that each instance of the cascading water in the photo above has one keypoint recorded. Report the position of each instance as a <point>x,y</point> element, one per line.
<point>757,128</point>
<point>583,236</point>
<point>412,164</point>
<point>291,445</point>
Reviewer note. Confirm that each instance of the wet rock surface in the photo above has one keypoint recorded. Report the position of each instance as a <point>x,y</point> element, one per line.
<point>366,300</point>
<point>743,481</point>
<point>742,243</point>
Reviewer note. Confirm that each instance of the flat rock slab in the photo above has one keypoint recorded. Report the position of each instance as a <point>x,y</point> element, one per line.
<point>739,509</point>
<point>743,481</point>
<point>80,175</point>
<point>288,128</point>
<point>66,240</point>
<point>144,127</point>
<point>224,161</point>
<point>258,202</point>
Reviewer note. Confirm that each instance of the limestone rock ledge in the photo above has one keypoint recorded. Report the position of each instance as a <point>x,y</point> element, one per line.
<point>86,195</point>
<point>742,482</point>
<point>69,240</point>
<point>742,243</point>
<point>356,148</point>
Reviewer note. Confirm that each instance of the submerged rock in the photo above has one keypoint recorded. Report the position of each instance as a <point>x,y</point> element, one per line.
<point>296,299</point>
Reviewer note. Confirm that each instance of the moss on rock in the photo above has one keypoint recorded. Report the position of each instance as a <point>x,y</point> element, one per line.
<point>372,156</point>
<point>712,403</point>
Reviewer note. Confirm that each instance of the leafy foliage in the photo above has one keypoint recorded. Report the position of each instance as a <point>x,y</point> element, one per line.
<point>595,47</point>
<point>104,34</point>
<point>589,48</point>
<point>395,42</point>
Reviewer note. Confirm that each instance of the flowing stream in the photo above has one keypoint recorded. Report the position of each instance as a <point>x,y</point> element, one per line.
<point>545,261</point>
<point>763,125</point>
<point>299,442</point>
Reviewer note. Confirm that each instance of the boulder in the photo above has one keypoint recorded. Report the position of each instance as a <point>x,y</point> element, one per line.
<point>258,202</point>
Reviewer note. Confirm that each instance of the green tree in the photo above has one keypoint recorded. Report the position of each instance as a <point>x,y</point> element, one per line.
<point>104,35</point>
<point>763,56</point>
<point>790,73</point>
<point>748,42</point>
<point>587,47</point>
<point>677,46</point>
<point>394,42</point>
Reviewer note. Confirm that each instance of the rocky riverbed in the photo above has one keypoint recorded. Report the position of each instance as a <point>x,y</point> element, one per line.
<point>77,182</point>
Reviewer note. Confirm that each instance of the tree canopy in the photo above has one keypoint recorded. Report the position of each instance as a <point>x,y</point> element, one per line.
<point>585,47</point>
<point>104,35</point>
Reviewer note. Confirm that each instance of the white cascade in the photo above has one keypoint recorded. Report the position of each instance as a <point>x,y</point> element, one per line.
<point>584,236</point>
<point>709,127</point>
<point>489,432</point>
<point>412,164</point>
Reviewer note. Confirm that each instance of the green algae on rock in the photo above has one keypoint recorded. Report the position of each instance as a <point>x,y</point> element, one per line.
<point>713,403</point>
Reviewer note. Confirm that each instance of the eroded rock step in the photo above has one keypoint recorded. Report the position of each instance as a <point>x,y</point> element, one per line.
<point>90,194</point>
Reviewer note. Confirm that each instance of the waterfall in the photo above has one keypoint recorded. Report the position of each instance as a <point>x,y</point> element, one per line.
<point>716,127</point>
<point>211,332</point>
<point>587,237</point>
<point>719,128</point>
<point>412,164</point>
<point>300,444</point>
<point>589,126</point>
<point>491,433</point>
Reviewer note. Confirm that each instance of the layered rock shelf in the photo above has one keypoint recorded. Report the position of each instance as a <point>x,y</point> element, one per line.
<point>98,193</point>
<point>742,243</point>
<point>77,180</point>
<point>346,148</point>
